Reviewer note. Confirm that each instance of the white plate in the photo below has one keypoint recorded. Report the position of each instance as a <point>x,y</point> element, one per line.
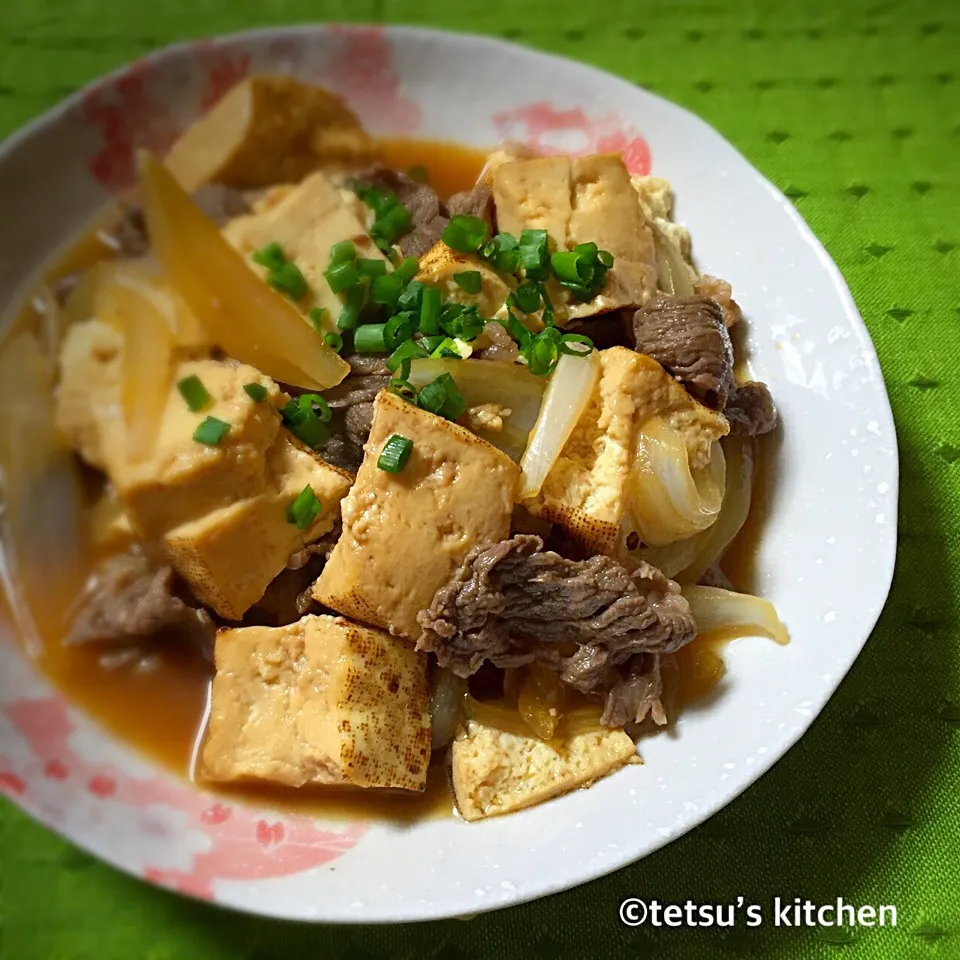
<point>827,554</point>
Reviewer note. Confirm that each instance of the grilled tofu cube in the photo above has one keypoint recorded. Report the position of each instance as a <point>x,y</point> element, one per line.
<point>584,491</point>
<point>229,556</point>
<point>306,223</point>
<point>404,535</point>
<point>267,130</point>
<point>495,771</point>
<point>438,266</point>
<point>534,194</point>
<point>321,701</point>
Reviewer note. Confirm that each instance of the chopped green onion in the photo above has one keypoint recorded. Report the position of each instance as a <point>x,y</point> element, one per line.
<point>288,279</point>
<point>584,345</point>
<point>502,251</point>
<point>334,341</point>
<point>469,281</point>
<point>399,327</point>
<point>352,307</point>
<point>526,298</point>
<point>533,253</point>
<point>570,266</point>
<point>586,249</point>
<point>403,388</point>
<point>395,454</point>
<point>371,268</point>
<point>407,270</point>
<point>318,317</point>
<point>386,289</point>
<point>313,403</point>
<point>431,343</point>
<point>399,360</point>
<point>342,252</point>
<point>418,172</point>
<point>370,338</point>
<point>446,348</point>
<point>255,391</point>
<point>542,356</point>
<point>465,233</point>
<point>429,310</point>
<point>304,509</point>
<point>411,296</point>
<point>342,276</point>
<point>271,256</point>
<point>393,222</point>
<point>194,392</point>
<point>443,397</point>
<point>303,422</point>
<point>518,331</point>
<point>606,258</point>
<point>211,431</point>
<point>462,322</point>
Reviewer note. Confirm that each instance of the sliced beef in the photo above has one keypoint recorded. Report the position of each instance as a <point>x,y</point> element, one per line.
<point>637,694</point>
<point>502,347</point>
<point>688,337</point>
<point>342,452</point>
<point>512,604</point>
<point>368,364</point>
<point>356,388</point>
<point>720,291</point>
<point>358,421</point>
<point>428,214</point>
<point>750,410</point>
<point>475,202</point>
<point>130,597</point>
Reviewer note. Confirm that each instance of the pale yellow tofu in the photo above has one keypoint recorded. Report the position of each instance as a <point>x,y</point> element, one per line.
<point>404,535</point>
<point>229,556</point>
<point>534,195</point>
<point>267,130</point>
<point>184,479</point>
<point>656,197</point>
<point>607,212</point>
<point>88,395</point>
<point>506,152</point>
<point>319,702</point>
<point>438,267</point>
<point>306,223</point>
<point>585,491</point>
<point>495,771</point>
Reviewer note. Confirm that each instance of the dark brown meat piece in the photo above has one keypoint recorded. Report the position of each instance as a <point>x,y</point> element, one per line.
<point>688,337</point>
<point>750,410</point>
<point>512,604</point>
<point>720,291</point>
<point>342,452</point>
<point>503,347</point>
<point>428,214</point>
<point>356,388</point>
<point>129,597</point>
<point>358,421</point>
<point>368,364</point>
<point>637,695</point>
<point>475,202</point>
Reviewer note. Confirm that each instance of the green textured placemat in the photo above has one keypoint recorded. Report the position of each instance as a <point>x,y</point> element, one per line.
<point>855,113</point>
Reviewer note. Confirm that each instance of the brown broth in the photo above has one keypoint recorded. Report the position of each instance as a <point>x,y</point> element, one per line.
<point>160,708</point>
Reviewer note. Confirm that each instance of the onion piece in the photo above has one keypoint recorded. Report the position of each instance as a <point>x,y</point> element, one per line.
<point>667,501</point>
<point>447,691</point>
<point>507,385</point>
<point>240,312</point>
<point>567,397</point>
<point>673,273</point>
<point>540,700</point>
<point>735,614</point>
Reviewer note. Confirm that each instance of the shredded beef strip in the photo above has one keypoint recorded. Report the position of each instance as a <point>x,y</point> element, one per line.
<point>475,202</point>
<point>427,212</point>
<point>342,452</point>
<point>512,603</point>
<point>750,410</point>
<point>688,337</point>
<point>130,597</point>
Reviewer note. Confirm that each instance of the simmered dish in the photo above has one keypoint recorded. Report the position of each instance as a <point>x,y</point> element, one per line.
<point>414,481</point>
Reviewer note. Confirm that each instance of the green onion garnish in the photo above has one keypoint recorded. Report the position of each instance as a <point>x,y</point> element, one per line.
<point>400,327</point>
<point>502,252</point>
<point>386,289</point>
<point>469,281</point>
<point>465,233</point>
<point>447,348</point>
<point>526,298</point>
<point>403,388</point>
<point>342,276</point>
<point>519,332</point>
<point>255,391</point>
<point>352,307</point>
<point>576,344</point>
<point>334,341</point>
<point>318,317</point>
<point>211,431</point>
<point>399,361</point>
<point>407,269</point>
<point>411,296</point>
<point>443,397</point>
<point>429,310</point>
<point>570,266</point>
<point>371,268</point>
<point>395,454</point>
<point>370,338</point>
<point>302,421</point>
<point>431,343</point>
<point>343,251</point>
<point>543,356</point>
<point>305,509</point>
<point>313,403</point>
<point>582,270</point>
<point>533,253</point>
<point>271,256</point>
<point>461,322</point>
<point>288,280</point>
<point>194,392</point>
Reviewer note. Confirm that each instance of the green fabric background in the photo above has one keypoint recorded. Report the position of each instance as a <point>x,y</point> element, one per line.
<point>854,111</point>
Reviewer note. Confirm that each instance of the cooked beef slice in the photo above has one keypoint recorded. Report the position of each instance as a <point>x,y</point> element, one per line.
<point>342,452</point>
<point>750,410</point>
<point>368,364</point>
<point>637,695</point>
<point>358,421</point>
<point>356,388</point>
<point>428,214</point>
<point>720,291</point>
<point>502,347</point>
<point>512,603</point>
<point>129,596</point>
<point>688,337</point>
<point>475,202</point>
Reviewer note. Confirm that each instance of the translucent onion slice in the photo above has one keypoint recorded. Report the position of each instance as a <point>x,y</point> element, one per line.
<point>567,397</point>
<point>499,716</point>
<point>540,700</point>
<point>240,312</point>
<point>734,614</point>
<point>507,385</point>
<point>673,274</point>
<point>447,691</point>
<point>667,500</point>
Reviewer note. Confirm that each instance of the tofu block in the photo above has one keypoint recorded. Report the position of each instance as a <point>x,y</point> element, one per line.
<point>404,535</point>
<point>438,266</point>
<point>534,194</point>
<point>306,223</point>
<point>267,130</point>
<point>183,479</point>
<point>319,702</point>
<point>585,492</point>
<point>495,771</point>
<point>229,555</point>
